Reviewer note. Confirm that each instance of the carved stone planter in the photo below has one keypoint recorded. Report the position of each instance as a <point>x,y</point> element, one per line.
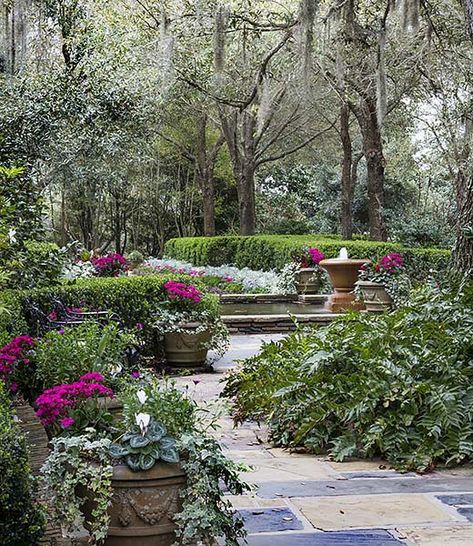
<point>143,505</point>
<point>307,281</point>
<point>374,296</point>
<point>187,349</point>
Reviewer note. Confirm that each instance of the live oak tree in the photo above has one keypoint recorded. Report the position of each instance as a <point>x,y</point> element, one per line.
<point>251,74</point>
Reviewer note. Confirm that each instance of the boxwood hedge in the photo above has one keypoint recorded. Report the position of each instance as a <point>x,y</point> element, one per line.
<point>132,299</point>
<point>274,251</point>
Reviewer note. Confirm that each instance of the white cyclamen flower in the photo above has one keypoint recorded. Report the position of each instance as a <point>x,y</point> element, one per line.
<point>142,420</point>
<point>11,235</point>
<point>141,396</point>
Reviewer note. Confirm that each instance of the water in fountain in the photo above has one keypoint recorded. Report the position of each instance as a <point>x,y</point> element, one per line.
<point>343,255</point>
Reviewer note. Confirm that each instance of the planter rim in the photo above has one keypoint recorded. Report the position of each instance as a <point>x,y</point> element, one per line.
<point>122,472</point>
<point>336,261</point>
<point>370,283</point>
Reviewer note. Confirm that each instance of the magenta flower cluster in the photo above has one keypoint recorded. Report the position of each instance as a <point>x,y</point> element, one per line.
<point>392,262</point>
<point>55,404</point>
<point>316,255</point>
<point>110,265</point>
<point>14,354</point>
<point>181,291</point>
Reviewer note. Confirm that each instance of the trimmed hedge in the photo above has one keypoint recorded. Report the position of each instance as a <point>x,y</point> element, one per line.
<point>274,251</point>
<point>133,299</point>
<point>22,520</point>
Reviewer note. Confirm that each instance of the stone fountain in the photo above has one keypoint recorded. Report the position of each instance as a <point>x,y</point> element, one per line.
<point>343,274</point>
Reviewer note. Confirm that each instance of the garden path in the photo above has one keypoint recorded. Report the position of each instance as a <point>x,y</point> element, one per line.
<point>303,500</point>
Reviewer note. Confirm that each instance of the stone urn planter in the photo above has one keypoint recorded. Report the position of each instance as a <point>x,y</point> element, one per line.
<point>343,275</point>
<point>374,296</point>
<point>187,349</point>
<point>307,281</point>
<point>143,505</point>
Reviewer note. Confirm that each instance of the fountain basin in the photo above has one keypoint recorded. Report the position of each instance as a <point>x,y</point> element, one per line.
<point>343,275</point>
<point>272,313</point>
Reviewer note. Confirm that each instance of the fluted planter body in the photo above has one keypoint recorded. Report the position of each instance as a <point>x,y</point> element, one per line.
<point>307,282</point>
<point>187,349</point>
<point>375,297</point>
<point>143,505</point>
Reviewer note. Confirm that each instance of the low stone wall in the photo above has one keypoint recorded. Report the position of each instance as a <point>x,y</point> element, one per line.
<point>257,324</point>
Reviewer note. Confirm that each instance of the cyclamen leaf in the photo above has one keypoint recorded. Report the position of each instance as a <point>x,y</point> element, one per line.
<point>169,455</point>
<point>146,462</point>
<point>138,441</point>
<point>118,451</point>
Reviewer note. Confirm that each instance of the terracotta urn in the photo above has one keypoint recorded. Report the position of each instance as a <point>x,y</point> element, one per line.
<point>143,505</point>
<point>374,296</point>
<point>307,281</point>
<point>187,349</point>
<point>343,275</point>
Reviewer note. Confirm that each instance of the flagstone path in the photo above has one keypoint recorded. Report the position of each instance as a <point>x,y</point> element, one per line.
<point>303,500</point>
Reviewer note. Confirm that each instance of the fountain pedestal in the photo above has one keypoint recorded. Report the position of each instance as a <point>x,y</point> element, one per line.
<point>343,275</point>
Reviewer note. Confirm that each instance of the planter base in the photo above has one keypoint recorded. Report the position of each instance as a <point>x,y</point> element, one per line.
<point>339,302</point>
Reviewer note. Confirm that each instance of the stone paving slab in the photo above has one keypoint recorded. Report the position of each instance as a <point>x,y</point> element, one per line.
<point>365,511</point>
<point>261,520</point>
<point>373,486</point>
<point>360,465</point>
<point>377,474</point>
<point>457,500</point>
<point>352,538</point>
<point>438,536</point>
<point>269,468</point>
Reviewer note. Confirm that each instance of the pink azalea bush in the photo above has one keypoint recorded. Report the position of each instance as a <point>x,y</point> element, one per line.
<point>14,362</point>
<point>182,292</point>
<point>56,406</point>
<point>110,265</point>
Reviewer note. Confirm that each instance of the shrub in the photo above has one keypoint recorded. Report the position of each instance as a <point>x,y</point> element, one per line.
<point>42,264</point>
<point>274,251</point>
<point>22,521</point>
<point>397,385</point>
<point>64,356</point>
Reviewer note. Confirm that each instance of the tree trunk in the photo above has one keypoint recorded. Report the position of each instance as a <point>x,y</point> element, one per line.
<point>373,152</point>
<point>246,199</point>
<point>468,7</point>
<point>205,175</point>
<point>463,255</point>
<point>239,132</point>
<point>246,181</point>
<point>347,189</point>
